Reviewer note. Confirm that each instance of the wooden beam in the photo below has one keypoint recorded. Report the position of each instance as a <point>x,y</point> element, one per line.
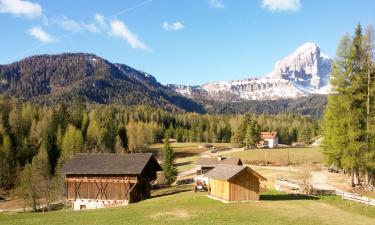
<point>132,181</point>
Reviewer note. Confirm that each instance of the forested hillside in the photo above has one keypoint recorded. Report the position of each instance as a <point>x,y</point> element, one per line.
<point>312,106</point>
<point>52,79</point>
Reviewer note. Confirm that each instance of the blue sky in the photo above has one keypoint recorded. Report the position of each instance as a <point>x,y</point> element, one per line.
<point>179,41</point>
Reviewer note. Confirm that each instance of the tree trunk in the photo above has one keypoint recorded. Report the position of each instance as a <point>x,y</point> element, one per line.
<point>34,203</point>
<point>367,161</point>
<point>352,177</point>
<point>357,180</point>
<point>367,178</point>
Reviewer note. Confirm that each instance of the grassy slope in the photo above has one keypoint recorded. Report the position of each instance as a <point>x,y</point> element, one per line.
<point>182,206</point>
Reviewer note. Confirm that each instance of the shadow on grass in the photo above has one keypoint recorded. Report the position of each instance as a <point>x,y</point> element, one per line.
<point>186,154</point>
<point>184,163</point>
<point>171,190</point>
<point>285,197</point>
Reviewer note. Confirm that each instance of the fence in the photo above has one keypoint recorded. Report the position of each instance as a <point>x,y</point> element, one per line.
<point>356,197</point>
<point>288,186</point>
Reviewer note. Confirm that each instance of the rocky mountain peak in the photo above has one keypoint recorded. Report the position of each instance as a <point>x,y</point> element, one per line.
<point>305,71</point>
<point>305,66</point>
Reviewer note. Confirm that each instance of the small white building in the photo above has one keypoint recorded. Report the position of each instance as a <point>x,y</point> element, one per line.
<point>269,139</point>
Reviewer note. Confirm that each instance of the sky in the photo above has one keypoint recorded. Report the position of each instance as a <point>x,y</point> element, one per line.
<point>179,41</point>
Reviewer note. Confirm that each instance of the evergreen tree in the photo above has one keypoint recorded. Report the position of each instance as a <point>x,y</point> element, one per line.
<point>252,136</point>
<point>347,121</point>
<point>169,165</point>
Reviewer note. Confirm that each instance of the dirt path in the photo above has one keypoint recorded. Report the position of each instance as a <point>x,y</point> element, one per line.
<point>319,181</point>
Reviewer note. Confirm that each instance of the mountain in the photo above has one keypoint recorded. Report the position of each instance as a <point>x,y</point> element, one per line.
<point>49,79</point>
<point>304,72</point>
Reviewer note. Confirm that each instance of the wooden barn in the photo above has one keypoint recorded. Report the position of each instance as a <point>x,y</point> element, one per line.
<point>234,183</point>
<point>104,180</point>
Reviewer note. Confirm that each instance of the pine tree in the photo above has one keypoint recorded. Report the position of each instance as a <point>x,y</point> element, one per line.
<point>336,140</point>
<point>369,154</point>
<point>252,136</point>
<point>347,123</point>
<point>169,165</point>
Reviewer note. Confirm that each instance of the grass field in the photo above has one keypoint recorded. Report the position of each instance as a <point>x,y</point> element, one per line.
<point>187,153</point>
<point>280,155</point>
<point>179,205</point>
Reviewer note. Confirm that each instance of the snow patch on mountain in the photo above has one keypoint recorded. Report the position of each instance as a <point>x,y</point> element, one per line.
<point>305,71</point>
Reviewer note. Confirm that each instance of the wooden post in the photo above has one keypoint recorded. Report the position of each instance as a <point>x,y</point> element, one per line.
<point>265,157</point>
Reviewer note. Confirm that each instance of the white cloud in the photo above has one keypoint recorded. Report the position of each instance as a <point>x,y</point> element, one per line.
<point>21,8</point>
<point>69,24</point>
<point>100,20</point>
<point>173,26</point>
<point>40,34</point>
<point>75,26</point>
<point>91,27</point>
<point>120,30</point>
<point>217,4</point>
<point>281,5</point>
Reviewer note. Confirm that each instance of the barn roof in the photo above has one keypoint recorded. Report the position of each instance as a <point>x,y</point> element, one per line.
<point>227,172</point>
<point>212,162</point>
<point>268,135</point>
<point>115,164</point>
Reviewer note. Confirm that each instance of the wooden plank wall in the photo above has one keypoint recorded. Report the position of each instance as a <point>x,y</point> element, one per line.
<point>219,189</point>
<point>244,187</point>
<point>91,190</point>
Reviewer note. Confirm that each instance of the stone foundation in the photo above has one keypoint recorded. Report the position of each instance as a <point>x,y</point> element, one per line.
<point>82,204</point>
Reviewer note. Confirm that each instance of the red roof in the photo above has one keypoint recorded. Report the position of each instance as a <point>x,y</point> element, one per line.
<point>268,135</point>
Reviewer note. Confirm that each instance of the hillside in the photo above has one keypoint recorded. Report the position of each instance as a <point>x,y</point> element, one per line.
<point>180,205</point>
<point>49,79</point>
<point>312,106</point>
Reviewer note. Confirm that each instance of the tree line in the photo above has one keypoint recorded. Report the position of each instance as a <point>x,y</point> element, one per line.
<point>349,119</point>
<point>38,139</point>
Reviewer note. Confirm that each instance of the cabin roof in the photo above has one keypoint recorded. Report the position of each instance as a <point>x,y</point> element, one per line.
<point>268,135</point>
<point>105,164</point>
<point>212,162</point>
<point>227,172</point>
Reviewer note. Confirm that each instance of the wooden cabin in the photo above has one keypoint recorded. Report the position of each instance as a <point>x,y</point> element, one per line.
<point>234,183</point>
<point>205,164</point>
<point>104,180</point>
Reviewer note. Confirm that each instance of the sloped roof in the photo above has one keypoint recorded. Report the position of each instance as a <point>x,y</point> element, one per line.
<point>227,172</point>
<point>212,162</point>
<point>268,135</point>
<point>116,164</point>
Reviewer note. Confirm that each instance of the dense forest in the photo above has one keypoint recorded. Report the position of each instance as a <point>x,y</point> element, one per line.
<point>349,119</point>
<point>28,131</point>
<point>312,106</point>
